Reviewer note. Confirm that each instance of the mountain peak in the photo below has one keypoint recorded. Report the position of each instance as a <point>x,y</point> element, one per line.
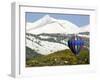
<point>47,19</point>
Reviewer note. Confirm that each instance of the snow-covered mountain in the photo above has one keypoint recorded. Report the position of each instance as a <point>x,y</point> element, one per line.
<point>50,25</point>
<point>48,35</point>
<point>85,28</point>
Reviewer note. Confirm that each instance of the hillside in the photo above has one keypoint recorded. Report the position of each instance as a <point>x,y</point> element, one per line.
<point>64,57</point>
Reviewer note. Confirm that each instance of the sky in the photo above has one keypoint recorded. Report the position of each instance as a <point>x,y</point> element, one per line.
<point>79,20</point>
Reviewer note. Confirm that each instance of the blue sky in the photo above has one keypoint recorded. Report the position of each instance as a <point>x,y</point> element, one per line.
<point>79,20</point>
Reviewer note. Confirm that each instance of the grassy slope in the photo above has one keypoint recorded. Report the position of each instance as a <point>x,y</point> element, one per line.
<point>65,57</point>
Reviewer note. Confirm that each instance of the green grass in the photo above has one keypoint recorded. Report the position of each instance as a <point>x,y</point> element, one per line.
<point>65,57</point>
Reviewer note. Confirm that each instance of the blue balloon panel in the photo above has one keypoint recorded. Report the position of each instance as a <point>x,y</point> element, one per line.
<point>75,44</point>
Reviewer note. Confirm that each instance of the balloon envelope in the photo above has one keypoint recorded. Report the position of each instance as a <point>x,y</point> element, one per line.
<point>75,44</point>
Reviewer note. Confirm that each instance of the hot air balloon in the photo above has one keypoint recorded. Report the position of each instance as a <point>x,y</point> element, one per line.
<point>75,44</point>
